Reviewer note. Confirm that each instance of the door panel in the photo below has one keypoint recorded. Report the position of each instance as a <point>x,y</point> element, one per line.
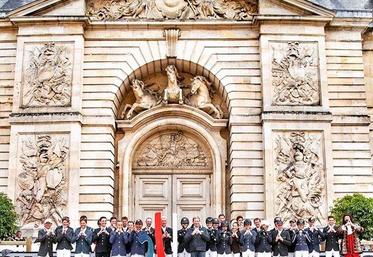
<point>187,195</point>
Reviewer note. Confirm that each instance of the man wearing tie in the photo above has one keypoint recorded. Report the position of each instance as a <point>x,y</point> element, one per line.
<point>64,238</point>
<point>331,238</point>
<point>248,239</point>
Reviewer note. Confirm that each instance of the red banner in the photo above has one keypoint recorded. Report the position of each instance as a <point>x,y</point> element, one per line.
<point>158,235</point>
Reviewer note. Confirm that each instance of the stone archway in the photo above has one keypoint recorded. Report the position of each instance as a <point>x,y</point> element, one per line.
<point>200,130</point>
<point>147,120</point>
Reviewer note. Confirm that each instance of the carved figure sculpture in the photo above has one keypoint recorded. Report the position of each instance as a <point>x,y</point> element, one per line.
<point>42,182</point>
<point>145,99</point>
<point>200,96</point>
<point>173,93</point>
<point>300,176</point>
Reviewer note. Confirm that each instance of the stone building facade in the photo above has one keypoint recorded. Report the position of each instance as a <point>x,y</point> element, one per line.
<point>253,108</point>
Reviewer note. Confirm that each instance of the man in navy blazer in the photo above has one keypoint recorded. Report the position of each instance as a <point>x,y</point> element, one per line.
<point>118,240</point>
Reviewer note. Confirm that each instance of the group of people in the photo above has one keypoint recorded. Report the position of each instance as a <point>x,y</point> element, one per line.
<point>218,238</point>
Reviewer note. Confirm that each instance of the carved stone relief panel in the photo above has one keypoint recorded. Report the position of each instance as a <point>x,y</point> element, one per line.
<point>47,75</point>
<point>42,179</point>
<point>295,73</point>
<point>172,150</point>
<point>171,9</point>
<point>299,175</point>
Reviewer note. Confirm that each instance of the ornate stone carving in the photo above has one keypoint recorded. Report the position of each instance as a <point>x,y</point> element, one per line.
<point>198,94</point>
<point>295,74</point>
<point>145,99</point>
<point>171,9</point>
<point>48,77</point>
<point>42,180</point>
<point>171,150</point>
<point>300,178</point>
<point>172,35</point>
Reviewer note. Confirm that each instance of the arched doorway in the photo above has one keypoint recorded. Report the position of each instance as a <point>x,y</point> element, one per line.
<point>172,154</point>
<point>171,173</point>
<point>187,180</point>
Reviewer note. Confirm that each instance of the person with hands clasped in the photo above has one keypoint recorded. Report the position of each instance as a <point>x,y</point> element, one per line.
<point>301,240</point>
<point>167,237</point>
<point>46,238</point>
<point>212,228</point>
<point>263,241</point>
<point>331,236</point>
<point>316,237</point>
<point>137,248</point>
<point>281,239</point>
<point>118,240</point>
<point>101,237</point>
<point>83,239</point>
<point>236,240</point>
<point>351,246</point>
<point>64,238</point>
<point>197,237</point>
<point>248,239</point>
<point>224,240</point>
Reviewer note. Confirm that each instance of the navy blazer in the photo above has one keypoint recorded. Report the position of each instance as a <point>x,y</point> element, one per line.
<point>331,238</point>
<point>316,236</point>
<point>182,245</point>
<point>136,246</point>
<point>263,242</point>
<point>83,241</point>
<point>64,240</point>
<point>211,244</point>
<point>118,241</point>
<point>248,240</point>
<point>224,242</point>
<point>301,240</point>
<point>46,242</point>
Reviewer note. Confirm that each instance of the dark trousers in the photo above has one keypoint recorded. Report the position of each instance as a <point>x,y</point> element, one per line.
<point>198,254</point>
<point>106,254</point>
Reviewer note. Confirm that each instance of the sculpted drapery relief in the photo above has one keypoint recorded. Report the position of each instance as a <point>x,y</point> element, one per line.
<point>171,9</point>
<point>173,149</point>
<point>42,180</point>
<point>295,73</point>
<point>300,176</point>
<point>171,89</point>
<point>48,76</point>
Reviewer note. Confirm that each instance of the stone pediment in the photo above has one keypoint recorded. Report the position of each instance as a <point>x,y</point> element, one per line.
<point>155,10</point>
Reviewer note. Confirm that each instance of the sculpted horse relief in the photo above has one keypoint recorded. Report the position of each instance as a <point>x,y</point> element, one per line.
<point>200,96</point>
<point>145,99</point>
<point>171,90</point>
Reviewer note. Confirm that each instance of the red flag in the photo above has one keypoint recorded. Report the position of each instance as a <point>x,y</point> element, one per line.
<point>158,235</point>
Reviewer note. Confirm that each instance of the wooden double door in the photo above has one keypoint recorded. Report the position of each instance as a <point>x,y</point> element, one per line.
<point>185,194</point>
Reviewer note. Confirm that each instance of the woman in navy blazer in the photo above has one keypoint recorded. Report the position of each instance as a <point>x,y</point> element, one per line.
<point>83,238</point>
<point>118,239</point>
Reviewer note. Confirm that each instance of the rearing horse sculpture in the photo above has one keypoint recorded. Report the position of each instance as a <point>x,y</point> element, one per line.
<point>200,96</point>
<point>145,99</point>
<point>172,93</point>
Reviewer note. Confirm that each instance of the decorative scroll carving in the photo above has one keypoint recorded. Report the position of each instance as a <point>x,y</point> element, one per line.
<point>300,178</point>
<point>171,9</point>
<point>295,74</point>
<point>42,181</point>
<point>172,35</point>
<point>198,94</point>
<point>171,150</point>
<point>48,77</point>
